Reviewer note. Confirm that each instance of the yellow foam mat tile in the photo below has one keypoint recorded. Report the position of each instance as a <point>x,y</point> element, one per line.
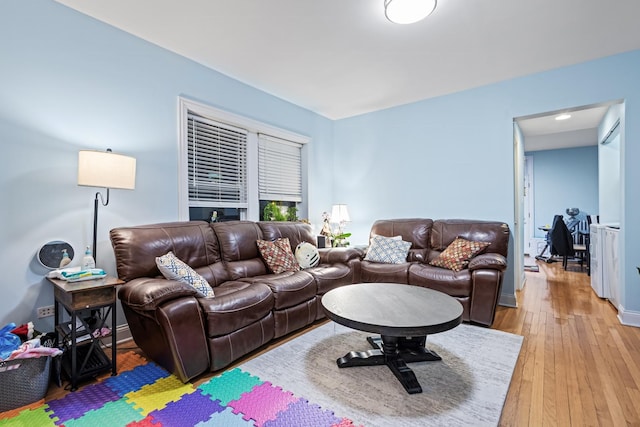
<point>156,396</point>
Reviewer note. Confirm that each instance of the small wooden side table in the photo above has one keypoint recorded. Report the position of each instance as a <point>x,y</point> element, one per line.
<point>85,356</point>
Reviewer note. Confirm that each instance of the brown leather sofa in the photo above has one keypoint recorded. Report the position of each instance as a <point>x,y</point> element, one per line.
<point>189,335</point>
<point>477,287</point>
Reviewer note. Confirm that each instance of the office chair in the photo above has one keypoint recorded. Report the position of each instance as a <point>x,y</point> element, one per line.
<point>562,243</point>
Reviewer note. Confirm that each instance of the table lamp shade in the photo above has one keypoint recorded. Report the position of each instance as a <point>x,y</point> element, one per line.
<point>339,213</point>
<point>106,169</point>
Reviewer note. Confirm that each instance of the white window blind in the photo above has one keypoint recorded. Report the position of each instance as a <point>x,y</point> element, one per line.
<point>217,163</point>
<point>279,169</point>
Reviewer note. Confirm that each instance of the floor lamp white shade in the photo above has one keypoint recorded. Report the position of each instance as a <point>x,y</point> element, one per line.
<point>106,170</point>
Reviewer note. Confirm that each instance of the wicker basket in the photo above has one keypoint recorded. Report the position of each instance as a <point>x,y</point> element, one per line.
<point>23,381</point>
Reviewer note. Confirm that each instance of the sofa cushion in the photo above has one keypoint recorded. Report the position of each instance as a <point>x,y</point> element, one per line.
<point>289,288</point>
<point>457,255</point>
<point>296,232</point>
<point>173,268</point>
<point>330,276</point>
<point>278,255</point>
<point>455,283</point>
<point>236,305</point>
<point>445,231</point>
<point>388,273</point>
<point>414,230</point>
<point>194,242</point>
<point>388,250</point>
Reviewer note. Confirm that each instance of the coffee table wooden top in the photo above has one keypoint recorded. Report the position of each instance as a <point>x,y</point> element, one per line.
<point>392,309</point>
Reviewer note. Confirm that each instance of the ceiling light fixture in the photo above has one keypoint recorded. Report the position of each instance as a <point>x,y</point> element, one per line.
<point>563,116</point>
<point>408,11</point>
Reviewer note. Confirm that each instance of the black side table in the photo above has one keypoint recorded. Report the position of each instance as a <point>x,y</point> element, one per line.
<point>84,356</point>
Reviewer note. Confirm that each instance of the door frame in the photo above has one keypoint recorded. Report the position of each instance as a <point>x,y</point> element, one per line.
<point>529,206</point>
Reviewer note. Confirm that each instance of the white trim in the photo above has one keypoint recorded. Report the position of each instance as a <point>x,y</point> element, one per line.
<point>530,209</point>
<point>507,300</point>
<point>628,317</point>
<point>253,126</point>
<point>240,121</point>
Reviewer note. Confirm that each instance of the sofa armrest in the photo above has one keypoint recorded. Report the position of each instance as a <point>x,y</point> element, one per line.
<point>147,294</point>
<point>339,255</point>
<point>491,261</point>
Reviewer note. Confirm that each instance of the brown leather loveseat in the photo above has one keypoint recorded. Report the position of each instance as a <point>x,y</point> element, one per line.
<point>477,286</point>
<point>188,334</point>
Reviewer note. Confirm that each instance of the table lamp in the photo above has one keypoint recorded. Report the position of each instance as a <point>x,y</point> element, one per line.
<point>340,216</point>
<point>107,170</point>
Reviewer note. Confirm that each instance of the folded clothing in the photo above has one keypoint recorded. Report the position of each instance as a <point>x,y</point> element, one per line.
<point>71,275</point>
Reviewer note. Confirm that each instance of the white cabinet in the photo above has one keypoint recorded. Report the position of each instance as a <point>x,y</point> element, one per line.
<point>596,242</point>
<point>611,264</point>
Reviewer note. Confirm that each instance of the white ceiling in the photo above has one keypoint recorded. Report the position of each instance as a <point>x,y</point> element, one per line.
<point>342,58</point>
<point>544,132</point>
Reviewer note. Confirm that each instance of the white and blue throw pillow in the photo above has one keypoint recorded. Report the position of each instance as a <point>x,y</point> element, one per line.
<point>173,268</point>
<point>307,255</point>
<point>388,250</point>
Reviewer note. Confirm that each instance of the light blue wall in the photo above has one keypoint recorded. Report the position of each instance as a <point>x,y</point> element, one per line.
<point>69,82</point>
<point>452,156</point>
<point>564,179</point>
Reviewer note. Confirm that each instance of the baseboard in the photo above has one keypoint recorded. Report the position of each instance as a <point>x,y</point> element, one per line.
<point>122,332</point>
<point>508,301</point>
<point>628,317</point>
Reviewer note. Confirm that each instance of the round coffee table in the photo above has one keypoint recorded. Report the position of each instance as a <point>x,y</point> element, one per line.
<point>403,315</point>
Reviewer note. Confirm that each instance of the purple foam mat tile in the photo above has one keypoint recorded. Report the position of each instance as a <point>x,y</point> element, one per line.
<point>263,403</point>
<point>75,404</point>
<point>301,413</point>
<point>189,410</point>
<point>135,379</point>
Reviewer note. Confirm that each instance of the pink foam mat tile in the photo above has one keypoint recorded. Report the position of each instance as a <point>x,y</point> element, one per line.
<point>345,422</point>
<point>262,403</point>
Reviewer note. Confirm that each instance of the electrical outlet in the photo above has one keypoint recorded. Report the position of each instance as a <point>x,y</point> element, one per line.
<point>46,311</point>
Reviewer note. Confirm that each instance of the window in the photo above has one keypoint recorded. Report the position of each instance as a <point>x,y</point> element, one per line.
<point>231,166</point>
<point>217,163</point>
<point>279,166</point>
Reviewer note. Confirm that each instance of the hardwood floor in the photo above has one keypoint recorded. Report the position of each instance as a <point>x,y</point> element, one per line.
<point>578,365</point>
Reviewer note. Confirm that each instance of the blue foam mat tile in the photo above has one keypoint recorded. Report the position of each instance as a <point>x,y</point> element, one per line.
<point>226,418</point>
<point>135,379</point>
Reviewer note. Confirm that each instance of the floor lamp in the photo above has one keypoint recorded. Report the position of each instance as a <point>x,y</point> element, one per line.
<point>106,170</point>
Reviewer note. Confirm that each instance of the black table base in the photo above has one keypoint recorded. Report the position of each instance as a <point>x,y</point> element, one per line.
<point>395,352</point>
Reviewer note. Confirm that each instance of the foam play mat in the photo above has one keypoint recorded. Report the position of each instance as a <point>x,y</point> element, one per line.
<point>144,394</point>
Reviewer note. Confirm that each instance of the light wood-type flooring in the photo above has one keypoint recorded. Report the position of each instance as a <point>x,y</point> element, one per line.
<point>578,365</point>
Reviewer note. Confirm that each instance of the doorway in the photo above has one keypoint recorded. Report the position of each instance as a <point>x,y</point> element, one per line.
<point>559,170</point>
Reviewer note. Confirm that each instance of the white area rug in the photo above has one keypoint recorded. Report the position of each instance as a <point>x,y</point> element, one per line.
<point>468,387</point>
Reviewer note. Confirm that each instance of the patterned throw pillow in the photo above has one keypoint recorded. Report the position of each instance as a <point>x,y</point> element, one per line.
<point>173,268</point>
<point>388,250</point>
<point>278,255</point>
<point>457,255</point>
